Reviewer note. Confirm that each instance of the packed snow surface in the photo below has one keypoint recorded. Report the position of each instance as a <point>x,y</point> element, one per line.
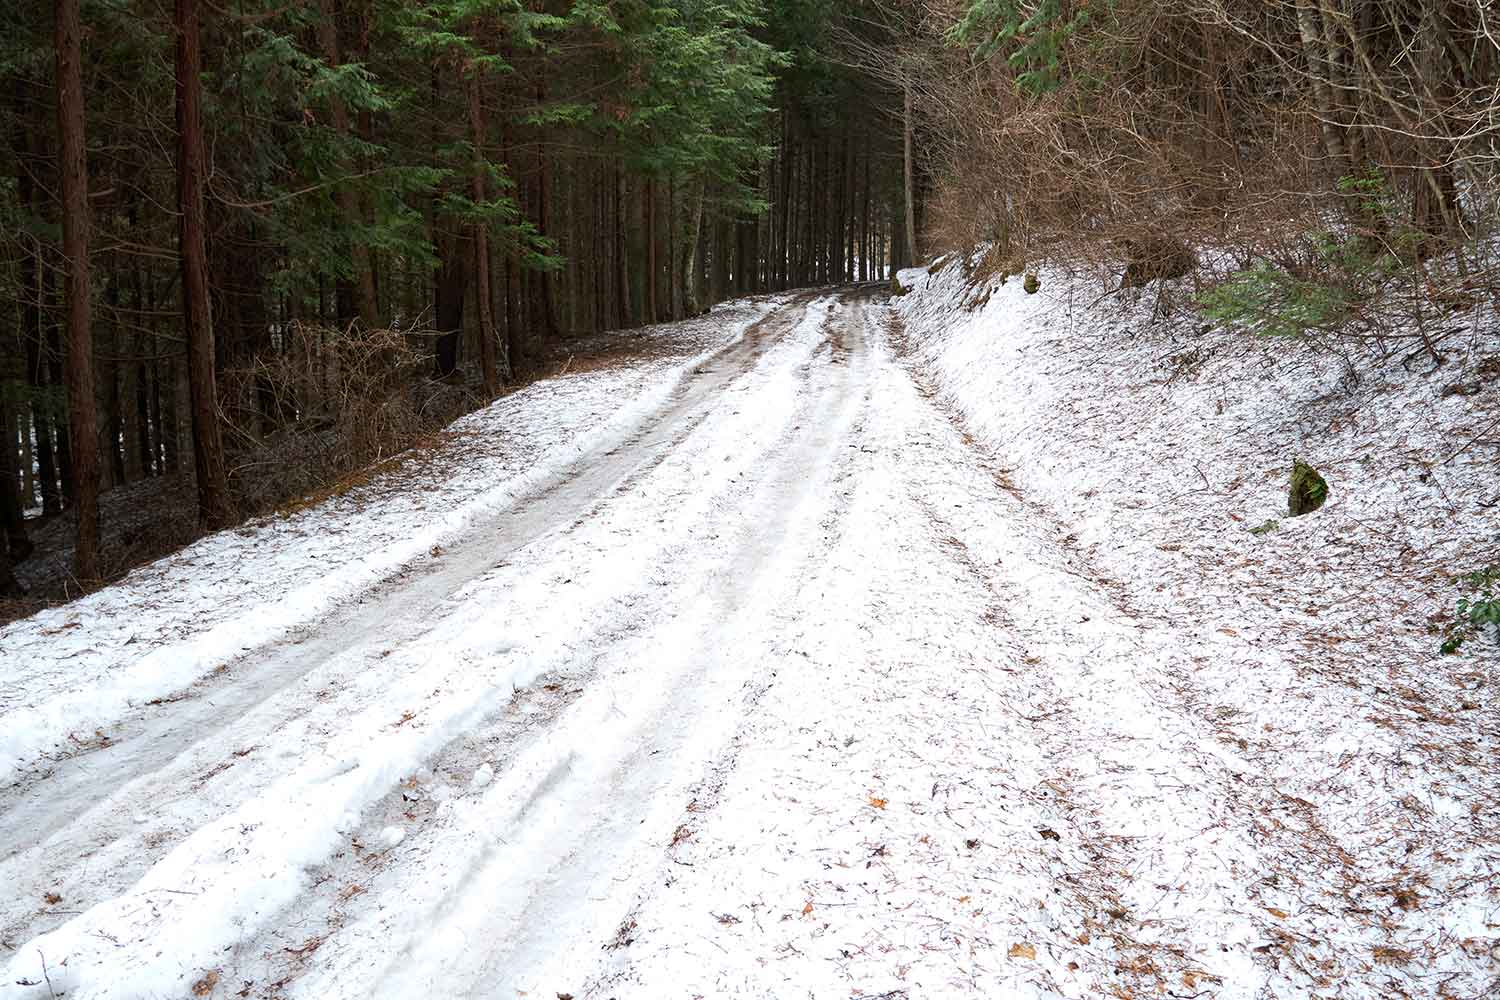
<point>839,648</point>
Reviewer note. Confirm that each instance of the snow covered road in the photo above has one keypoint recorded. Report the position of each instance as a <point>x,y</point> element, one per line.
<point>761,682</point>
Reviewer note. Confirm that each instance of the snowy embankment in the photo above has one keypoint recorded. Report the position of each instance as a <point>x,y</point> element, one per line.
<point>67,674</point>
<point>1355,844</point>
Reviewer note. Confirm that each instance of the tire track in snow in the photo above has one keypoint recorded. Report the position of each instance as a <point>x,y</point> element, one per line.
<point>118,793</point>
<point>473,703</point>
<point>395,612</point>
<point>407,593</point>
<point>497,922</point>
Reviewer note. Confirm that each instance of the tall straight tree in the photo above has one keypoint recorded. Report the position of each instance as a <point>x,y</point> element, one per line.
<point>481,238</point>
<point>208,442</point>
<point>363,289</point>
<point>913,256</point>
<point>79,359</point>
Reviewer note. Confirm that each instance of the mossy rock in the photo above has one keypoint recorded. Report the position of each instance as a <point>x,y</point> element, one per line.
<point>1031,284</point>
<point>896,287</point>
<point>1309,489</point>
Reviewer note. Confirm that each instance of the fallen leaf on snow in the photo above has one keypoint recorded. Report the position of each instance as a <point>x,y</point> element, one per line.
<point>307,947</point>
<point>877,803</point>
<point>205,986</point>
<point>807,909</point>
<point>1022,950</point>
<point>1278,914</point>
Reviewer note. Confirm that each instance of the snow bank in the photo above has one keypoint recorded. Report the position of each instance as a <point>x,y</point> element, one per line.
<point>68,673</point>
<point>1161,451</point>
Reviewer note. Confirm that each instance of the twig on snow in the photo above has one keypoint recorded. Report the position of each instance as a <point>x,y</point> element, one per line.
<point>45,975</point>
<point>1471,442</point>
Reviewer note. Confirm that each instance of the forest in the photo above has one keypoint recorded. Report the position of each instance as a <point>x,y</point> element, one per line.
<point>247,249</point>
<point>871,499</point>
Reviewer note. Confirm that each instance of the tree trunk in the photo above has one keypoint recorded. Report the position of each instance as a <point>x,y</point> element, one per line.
<point>482,245</point>
<point>653,314</point>
<point>365,300</point>
<point>9,587</point>
<point>57,380</point>
<point>41,409</point>
<point>214,510</point>
<point>514,343</point>
<point>115,432</point>
<point>79,362</point>
<point>622,269</point>
<point>28,470</point>
<point>143,445</point>
<point>452,283</point>
<point>908,178</point>
<point>12,519</point>
<point>674,283</point>
<point>547,313</point>
<point>866,248</point>
<point>1310,33</point>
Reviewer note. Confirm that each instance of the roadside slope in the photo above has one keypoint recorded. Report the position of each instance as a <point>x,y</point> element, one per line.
<point>1310,645</point>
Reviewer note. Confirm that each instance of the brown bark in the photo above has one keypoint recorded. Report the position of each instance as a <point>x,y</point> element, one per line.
<point>689,300</point>
<point>482,244</point>
<point>653,314</point>
<point>514,342</point>
<point>365,301</point>
<point>79,361</point>
<point>908,178</point>
<point>214,509</point>
<point>547,311</point>
<point>865,245</point>
<point>452,285</point>
<point>622,270</point>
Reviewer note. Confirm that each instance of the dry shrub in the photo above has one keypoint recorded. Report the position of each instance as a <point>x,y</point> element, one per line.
<point>1219,124</point>
<point>327,403</point>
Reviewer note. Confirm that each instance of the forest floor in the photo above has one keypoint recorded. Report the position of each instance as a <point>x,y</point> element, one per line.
<point>834,649</point>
